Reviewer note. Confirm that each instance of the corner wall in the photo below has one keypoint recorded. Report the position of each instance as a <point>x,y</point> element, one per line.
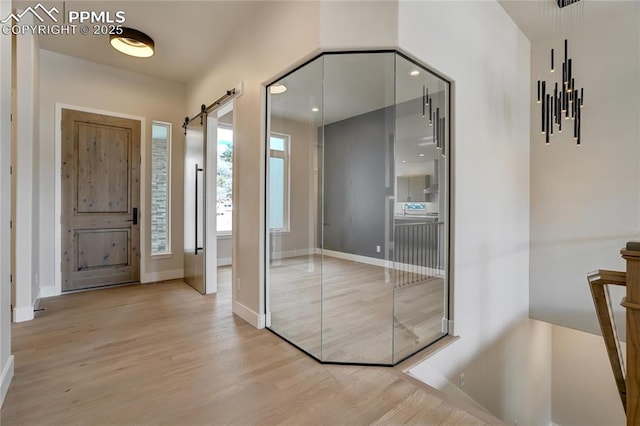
<point>275,38</point>
<point>83,84</point>
<point>6,359</point>
<point>487,57</point>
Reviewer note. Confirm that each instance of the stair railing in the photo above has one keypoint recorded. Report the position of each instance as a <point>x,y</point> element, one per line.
<point>627,380</point>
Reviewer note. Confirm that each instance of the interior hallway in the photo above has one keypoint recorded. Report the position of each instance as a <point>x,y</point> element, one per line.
<point>163,354</point>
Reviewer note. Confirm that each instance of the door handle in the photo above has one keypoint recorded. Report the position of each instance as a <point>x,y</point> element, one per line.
<point>198,169</point>
<point>134,216</point>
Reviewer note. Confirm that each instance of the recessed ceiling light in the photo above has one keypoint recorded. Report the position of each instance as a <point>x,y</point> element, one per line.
<point>404,161</point>
<point>277,88</point>
<point>315,109</point>
<point>133,43</point>
<point>420,155</point>
<point>414,73</point>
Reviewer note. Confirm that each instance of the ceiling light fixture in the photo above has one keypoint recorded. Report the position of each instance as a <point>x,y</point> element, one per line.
<point>414,73</point>
<point>277,88</point>
<point>420,155</point>
<point>315,109</point>
<point>133,43</point>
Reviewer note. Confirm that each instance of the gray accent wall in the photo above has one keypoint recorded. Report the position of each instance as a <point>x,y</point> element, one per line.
<point>358,180</point>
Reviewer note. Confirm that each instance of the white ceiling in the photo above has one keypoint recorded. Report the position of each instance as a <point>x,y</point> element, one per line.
<point>539,19</point>
<point>187,34</point>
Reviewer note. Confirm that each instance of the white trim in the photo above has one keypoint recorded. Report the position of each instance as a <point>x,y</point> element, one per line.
<point>22,313</point>
<point>5,379</point>
<point>452,327</point>
<point>58,185</point>
<point>249,315</point>
<point>224,261</point>
<point>48,291</point>
<point>154,276</point>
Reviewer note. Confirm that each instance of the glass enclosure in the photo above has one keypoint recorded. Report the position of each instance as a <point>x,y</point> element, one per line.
<point>357,207</point>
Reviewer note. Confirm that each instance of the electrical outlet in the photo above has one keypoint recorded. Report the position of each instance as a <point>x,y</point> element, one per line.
<point>462,380</point>
<point>377,249</point>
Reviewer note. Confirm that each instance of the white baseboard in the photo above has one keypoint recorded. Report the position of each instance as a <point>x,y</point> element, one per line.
<point>390,264</point>
<point>287,254</point>
<point>224,261</point>
<point>150,277</point>
<point>22,313</point>
<point>5,379</point>
<point>357,258</point>
<point>255,319</point>
<point>49,291</point>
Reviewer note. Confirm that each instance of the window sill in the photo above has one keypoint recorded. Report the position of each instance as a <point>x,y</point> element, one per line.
<point>281,232</point>
<point>160,256</point>
<point>225,236</point>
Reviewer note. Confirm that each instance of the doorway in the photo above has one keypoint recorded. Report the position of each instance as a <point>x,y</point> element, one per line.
<point>208,206</point>
<point>100,191</point>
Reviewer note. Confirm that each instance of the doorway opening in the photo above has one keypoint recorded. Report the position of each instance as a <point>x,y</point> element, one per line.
<point>208,194</point>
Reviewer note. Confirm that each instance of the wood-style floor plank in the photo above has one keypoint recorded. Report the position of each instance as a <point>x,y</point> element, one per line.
<point>162,354</point>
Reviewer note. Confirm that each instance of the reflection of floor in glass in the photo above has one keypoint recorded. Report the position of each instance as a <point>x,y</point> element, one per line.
<point>355,310</point>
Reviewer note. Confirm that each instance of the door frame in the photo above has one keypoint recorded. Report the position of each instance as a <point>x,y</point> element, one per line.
<point>57,289</point>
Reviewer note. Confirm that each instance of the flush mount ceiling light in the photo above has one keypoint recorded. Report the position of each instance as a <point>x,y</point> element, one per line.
<point>414,73</point>
<point>133,43</point>
<point>277,88</point>
<point>315,109</point>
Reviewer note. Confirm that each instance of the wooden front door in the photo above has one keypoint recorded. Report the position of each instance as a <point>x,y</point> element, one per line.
<point>100,200</point>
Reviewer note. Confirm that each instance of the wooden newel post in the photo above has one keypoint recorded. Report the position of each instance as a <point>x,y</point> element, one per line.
<point>632,304</point>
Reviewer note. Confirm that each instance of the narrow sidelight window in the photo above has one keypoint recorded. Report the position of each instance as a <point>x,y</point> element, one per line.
<point>160,188</point>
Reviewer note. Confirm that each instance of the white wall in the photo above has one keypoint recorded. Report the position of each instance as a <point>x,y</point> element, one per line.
<point>584,392</point>
<point>85,84</point>
<point>6,359</point>
<point>26,156</point>
<point>477,46</point>
<point>585,200</point>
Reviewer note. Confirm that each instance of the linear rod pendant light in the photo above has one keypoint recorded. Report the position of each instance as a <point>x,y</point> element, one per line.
<point>565,101</point>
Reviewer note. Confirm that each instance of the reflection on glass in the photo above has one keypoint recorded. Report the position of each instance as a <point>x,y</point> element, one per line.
<point>357,199</point>
<point>293,196</point>
<point>420,209</point>
<point>357,288</point>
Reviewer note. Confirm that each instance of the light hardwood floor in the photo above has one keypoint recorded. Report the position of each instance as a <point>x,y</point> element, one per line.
<point>162,354</point>
<point>345,311</point>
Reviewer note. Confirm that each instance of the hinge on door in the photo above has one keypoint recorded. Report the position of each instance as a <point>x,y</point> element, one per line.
<point>10,278</point>
<point>10,170</point>
<point>10,224</point>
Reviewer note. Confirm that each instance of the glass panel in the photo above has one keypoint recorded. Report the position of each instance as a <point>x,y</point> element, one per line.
<point>293,250</point>
<point>422,133</point>
<point>225,179</point>
<point>276,193</point>
<point>357,308</point>
<point>160,179</point>
<point>277,143</point>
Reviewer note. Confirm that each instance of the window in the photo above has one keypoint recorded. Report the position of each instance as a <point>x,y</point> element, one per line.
<point>279,182</point>
<point>160,188</point>
<point>225,180</point>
